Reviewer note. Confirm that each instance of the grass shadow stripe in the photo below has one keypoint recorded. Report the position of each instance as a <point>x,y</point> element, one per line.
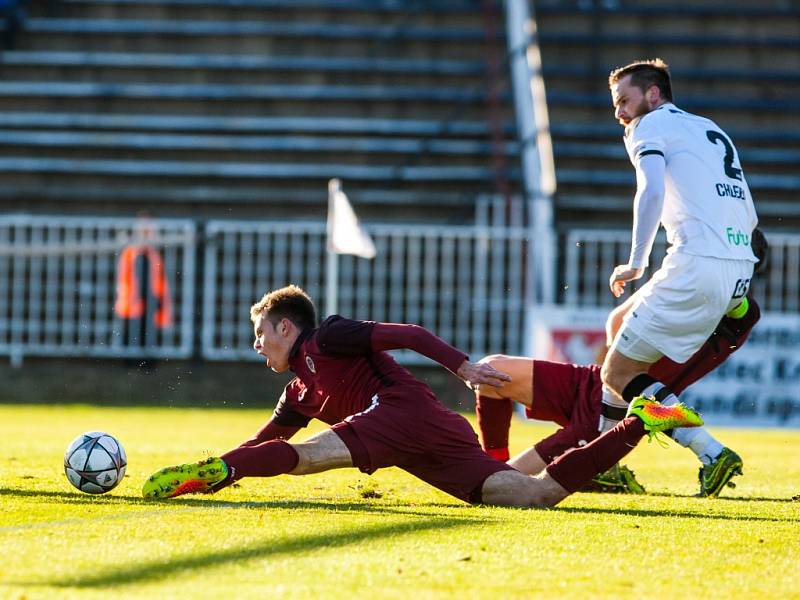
<point>168,568</point>
<point>680,514</point>
<point>208,502</point>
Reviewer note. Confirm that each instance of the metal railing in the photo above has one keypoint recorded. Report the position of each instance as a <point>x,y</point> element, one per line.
<point>469,285</point>
<point>591,255</point>
<point>58,278</point>
<point>466,284</point>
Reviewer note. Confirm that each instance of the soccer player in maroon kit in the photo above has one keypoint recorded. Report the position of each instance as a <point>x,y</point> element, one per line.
<point>382,416</point>
<point>571,396</point>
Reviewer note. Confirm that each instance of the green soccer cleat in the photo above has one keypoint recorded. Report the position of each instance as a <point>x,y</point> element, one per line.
<point>619,479</point>
<point>718,474</point>
<point>631,485</point>
<point>657,417</point>
<point>185,479</point>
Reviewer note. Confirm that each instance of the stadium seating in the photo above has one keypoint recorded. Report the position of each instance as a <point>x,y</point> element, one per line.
<point>242,106</point>
<point>248,105</point>
<point>736,63</point>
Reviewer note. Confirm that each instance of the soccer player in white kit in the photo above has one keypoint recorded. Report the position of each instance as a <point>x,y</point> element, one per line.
<point>689,179</point>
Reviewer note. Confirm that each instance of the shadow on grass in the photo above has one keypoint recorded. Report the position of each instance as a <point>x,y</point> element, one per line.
<point>169,568</point>
<point>731,498</point>
<point>683,514</point>
<point>208,502</point>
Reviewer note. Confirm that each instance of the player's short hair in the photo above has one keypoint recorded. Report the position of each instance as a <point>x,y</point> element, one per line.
<point>644,74</point>
<point>289,302</point>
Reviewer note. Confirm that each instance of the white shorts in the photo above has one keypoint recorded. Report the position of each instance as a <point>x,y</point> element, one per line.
<point>678,309</point>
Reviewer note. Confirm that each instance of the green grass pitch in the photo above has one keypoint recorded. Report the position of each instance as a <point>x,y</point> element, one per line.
<point>345,535</point>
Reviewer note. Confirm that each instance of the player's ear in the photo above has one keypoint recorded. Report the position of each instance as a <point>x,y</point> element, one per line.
<point>284,326</point>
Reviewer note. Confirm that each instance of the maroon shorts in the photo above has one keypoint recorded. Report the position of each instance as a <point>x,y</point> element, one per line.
<point>570,395</point>
<point>409,428</point>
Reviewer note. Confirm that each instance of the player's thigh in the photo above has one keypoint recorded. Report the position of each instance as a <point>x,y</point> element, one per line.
<point>520,388</point>
<point>321,452</point>
<point>614,320</point>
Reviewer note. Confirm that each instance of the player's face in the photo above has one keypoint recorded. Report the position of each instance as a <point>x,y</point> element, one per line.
<point>272,342</point>
<point>629,101</point>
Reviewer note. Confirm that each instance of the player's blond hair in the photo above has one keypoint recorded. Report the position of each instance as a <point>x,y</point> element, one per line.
<point>289,302</point>
<point>644,74</point>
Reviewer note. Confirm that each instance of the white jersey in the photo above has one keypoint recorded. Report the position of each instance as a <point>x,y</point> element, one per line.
<point>708,209</point>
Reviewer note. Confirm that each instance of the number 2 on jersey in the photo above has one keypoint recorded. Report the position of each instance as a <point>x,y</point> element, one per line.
<point>730,170</point>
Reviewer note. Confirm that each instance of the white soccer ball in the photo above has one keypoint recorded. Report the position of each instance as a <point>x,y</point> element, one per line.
<point>95,462</point>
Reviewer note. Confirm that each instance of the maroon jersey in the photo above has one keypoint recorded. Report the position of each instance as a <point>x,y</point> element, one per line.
<point>342,365</point>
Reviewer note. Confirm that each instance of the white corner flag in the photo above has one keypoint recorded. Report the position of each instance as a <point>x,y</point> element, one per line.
<point>345,234</point>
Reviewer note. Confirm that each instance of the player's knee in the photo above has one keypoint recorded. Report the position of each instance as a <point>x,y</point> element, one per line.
<point>512,488</point>
<point>611,377</point>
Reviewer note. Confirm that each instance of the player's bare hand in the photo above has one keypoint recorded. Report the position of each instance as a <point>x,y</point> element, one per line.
<point>475,374</point>
<point>622,275</point>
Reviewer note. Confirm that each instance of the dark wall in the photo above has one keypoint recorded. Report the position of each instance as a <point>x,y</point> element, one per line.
<point>171,383</point>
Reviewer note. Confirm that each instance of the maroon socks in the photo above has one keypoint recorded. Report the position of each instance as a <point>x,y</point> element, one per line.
<point>576,467</point>
<point>494,422</point>
<point>271,458</point>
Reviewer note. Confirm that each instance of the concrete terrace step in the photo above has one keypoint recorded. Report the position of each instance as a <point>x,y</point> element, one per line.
<point>610,40</point>
<point>782,156</point>
<point>691,103</point>
<point>241,143</point>
<point>704,74</point>
<point>247,63</point>
<point>249,125</point>
<point>759,10</point>
<point>389,6</point>
<point>303,30</point>
<point>608,177</point>
<point>245,171</point>
<point>440,14</point>
<point>227,194</point>
<point>59,89</point>
<point>613,131</point>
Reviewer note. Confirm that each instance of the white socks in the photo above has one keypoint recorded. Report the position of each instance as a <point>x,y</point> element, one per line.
<point>613,410</point>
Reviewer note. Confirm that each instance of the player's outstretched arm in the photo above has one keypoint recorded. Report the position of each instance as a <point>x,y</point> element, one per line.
<point>475,374</point>
<point>393,336</point>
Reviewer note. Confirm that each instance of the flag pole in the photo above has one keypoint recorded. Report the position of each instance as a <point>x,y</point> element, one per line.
<point>332,258</point>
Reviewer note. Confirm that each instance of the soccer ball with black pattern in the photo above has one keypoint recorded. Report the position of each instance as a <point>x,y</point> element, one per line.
<point>95,462</point>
